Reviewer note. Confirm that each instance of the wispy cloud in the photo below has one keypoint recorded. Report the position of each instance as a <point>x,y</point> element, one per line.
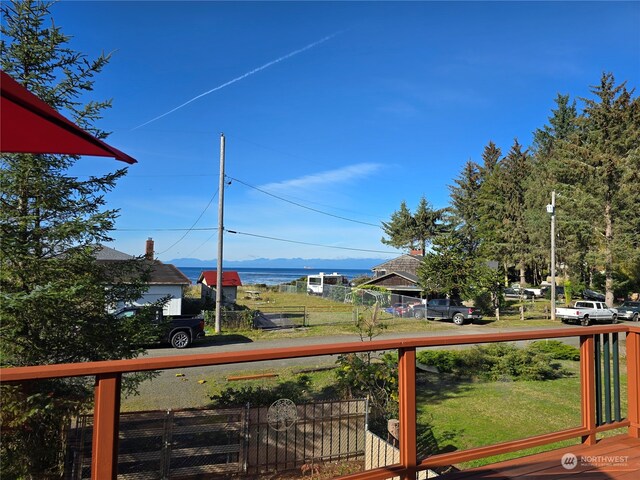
<point>241,77</point>
<point>328,178</point>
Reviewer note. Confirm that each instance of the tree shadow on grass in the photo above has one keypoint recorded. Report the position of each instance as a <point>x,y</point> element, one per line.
<point>435,388</point>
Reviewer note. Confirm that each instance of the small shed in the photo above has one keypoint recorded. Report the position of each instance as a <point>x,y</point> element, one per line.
<point>230,283</point>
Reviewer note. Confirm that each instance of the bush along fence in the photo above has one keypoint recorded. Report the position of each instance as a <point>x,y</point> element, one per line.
<point>226,442</point>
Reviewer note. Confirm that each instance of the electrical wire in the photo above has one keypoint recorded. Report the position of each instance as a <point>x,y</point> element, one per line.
<point>165,229</point>
<point>192,226</point>
<point>310,244</point>
<point>303,206</point>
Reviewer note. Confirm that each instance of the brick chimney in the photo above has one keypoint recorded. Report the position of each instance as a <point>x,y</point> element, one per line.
<point>417,252</point>
<point>149,249</point>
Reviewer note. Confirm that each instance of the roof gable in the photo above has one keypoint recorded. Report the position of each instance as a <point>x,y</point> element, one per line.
<point>410,279</point>
<point>229,278</point>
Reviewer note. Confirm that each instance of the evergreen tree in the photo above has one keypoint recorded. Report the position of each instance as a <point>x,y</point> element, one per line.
<point>516,170</point>
<point>464,205</point>
<point>451,270</point>
<point>414,231</point>
<point>562,125</point>
<point>54,293</point>
<point>598,174</point>
<point>400,229</point>
<point>491,209</point>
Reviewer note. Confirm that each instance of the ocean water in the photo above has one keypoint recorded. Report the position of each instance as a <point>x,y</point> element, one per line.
<point>272,276</point>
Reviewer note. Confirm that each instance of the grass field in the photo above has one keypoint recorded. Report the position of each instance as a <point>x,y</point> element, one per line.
<point>326,317</point>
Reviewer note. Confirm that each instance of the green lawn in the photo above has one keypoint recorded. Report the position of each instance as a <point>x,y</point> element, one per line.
<point>464,414</point>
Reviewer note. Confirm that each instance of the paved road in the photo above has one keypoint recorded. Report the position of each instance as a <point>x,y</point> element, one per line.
<point>171,391</point>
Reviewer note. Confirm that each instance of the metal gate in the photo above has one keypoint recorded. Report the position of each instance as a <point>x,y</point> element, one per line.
<point>223,442</point>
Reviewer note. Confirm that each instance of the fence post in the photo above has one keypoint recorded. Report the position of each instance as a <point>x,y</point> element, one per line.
<point>633,380</point>
<point>106,415</point>
<point>587,388</point>
<point>407,404</point>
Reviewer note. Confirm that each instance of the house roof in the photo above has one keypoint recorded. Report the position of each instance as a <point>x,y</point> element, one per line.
<point>106,253</point>
<point>167,274</point>
<point>229,279</point>
<point>407,257</point>
<point>159,273</point>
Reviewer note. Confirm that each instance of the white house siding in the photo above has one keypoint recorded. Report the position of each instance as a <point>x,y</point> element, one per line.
<point>157,292</point>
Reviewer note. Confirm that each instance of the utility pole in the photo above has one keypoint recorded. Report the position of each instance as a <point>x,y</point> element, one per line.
<point>220,237</point>
<point>553,255</point>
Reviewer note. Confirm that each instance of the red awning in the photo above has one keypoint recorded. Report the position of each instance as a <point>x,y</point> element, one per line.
<point>29,125</point>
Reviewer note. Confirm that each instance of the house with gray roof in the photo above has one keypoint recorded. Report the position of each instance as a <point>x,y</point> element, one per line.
<point>398,275</point>
<point>165,280</point>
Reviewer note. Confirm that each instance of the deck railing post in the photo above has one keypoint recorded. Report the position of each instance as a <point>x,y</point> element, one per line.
<point>633,381</point>
<point>407,401</point>
<point>587,387</point>
<point>106,415</point>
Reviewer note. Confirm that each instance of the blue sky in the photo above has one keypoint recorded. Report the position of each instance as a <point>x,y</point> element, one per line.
<point>388,108</point>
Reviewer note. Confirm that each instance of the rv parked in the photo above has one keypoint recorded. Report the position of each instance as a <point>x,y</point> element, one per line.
<point>316,283</point>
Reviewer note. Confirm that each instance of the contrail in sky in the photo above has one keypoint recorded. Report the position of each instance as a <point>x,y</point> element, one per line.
<point>237,79</point>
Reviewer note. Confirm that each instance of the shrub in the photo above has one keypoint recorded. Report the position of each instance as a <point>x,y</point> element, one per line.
<point>484,303</point>
<point>494,362</point>
<point>556,350</point>
<point>444,360</point>
<point>262,396</point>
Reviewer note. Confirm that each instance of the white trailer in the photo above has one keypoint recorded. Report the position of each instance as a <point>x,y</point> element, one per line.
<point>316,283</point>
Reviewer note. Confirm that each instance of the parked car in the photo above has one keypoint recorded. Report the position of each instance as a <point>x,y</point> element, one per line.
<point>513,293</point>
<point>445,309</point>
<point>591,295</point>
<point>629,310</point>
<point>177,330</point>
<point>538,292</point>
<point>398,309</point>
<point>586,312</point>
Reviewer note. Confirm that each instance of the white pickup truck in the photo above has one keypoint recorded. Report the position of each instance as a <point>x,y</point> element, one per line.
<point>586,312</point>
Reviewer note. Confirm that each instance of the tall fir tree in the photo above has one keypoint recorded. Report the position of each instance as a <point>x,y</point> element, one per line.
<point>491,209</point>
<point>562,125</point>
<point>54,293</point>
<point>464,205</point>
<point>414,231</point>
<point>597,170</point>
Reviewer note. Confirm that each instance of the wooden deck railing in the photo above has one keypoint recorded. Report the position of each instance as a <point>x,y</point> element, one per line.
<point>108,377</point>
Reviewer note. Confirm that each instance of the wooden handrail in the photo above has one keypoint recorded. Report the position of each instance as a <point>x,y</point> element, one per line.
<point>17,374</point>
<point>108,377</point>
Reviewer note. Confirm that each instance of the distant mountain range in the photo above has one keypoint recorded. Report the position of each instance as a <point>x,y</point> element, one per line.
<point>312,263</point>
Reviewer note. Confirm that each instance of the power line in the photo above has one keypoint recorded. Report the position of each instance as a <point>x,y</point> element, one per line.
<point>303,206</point>
<point>192,226</point>
<point>310,244</point>
<point>246,234</point>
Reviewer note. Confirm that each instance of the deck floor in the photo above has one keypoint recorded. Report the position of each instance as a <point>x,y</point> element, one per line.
<point>611,458</point>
